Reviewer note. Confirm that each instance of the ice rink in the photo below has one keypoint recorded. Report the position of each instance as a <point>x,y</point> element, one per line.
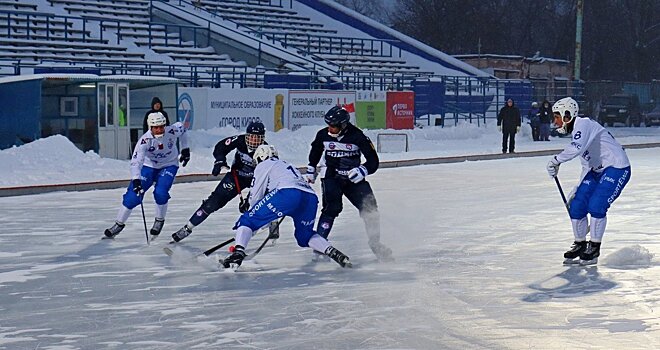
<point>478,248</point>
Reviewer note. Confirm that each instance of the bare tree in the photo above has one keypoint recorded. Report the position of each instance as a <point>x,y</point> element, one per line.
<point>620,38</point>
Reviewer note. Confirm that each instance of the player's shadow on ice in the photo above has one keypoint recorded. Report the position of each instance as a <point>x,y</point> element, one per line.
<point>573,282</point>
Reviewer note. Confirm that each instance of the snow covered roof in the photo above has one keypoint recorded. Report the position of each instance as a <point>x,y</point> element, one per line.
<point>86,78</point>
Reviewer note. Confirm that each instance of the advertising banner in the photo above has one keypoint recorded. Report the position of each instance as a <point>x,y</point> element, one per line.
<point>234,107</point>
<point>308,107</point>
<point>400,110</point>
<point>370,109</point>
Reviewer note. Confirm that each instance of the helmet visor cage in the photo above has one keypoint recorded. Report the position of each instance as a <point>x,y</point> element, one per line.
<point>253,141</point>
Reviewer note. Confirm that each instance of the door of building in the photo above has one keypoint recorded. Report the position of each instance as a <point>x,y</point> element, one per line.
<point>114,121</point>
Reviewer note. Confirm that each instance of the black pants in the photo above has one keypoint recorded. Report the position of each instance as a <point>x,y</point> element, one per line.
<point>359,194</point>
<point>224,192</point>
<point>508,135</point>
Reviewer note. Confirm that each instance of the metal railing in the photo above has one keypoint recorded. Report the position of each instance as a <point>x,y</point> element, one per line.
<point>260,44</point>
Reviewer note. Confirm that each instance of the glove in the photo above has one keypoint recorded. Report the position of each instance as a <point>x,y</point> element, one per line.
<point>553,167</point>
<point>185,156</point>
<point>499,128</point>
<point>357,174</point>
<point>244,205</point>
<point>218,166</point>
<point>137,186</point>
<point>310,176</point>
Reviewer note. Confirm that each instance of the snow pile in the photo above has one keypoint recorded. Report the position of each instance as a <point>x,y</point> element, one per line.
<point>56,158</point>
<point>629,256</point>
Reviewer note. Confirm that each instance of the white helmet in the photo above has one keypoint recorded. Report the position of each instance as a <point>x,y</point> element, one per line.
<point>156,119</point>
<point>566,104</point>
<point>264,152</point>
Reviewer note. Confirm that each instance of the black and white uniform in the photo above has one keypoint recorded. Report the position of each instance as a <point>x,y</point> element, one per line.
<point>242,171</point>
<point>342,154</point>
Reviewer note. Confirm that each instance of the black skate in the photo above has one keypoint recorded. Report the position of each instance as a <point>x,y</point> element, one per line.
<point>114,230</point>
<point>157,227</point>
<point>382,252</point>
<point>235,259</point>
<point>182,233</point>
<point>338,257</point>
<point>576,249</point>
<point>274,230</point>
<point>590,254</point>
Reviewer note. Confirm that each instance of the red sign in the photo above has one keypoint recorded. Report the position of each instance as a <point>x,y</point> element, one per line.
<point>400,107</point>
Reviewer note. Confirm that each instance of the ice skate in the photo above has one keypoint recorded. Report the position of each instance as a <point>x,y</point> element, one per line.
<point>157,227</point>
<point>576,249</point>
<point>319,257</point>
<point>181,234</point>
<point>235,259</point>
<point>114,230</point>
<point>338,257</point>
<point>274,231</point>
<point>382,252</point>
<point>590,254</point>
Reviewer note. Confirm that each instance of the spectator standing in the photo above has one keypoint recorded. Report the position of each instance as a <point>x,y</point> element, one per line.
<point>156,107</point>
<point>545,118</point>
<point>534,121</point>
<point>508,122</point>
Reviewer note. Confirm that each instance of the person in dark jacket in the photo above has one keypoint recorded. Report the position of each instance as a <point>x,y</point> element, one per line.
<point>534,121</point>
<point>545,117</point>
<point>508,122</point>
<point>342,145</point>
<point>156,106</point>
<point>238,178</point>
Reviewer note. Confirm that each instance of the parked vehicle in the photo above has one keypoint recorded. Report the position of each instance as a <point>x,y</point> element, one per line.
<point>621,108</point>
<point>652,117</point>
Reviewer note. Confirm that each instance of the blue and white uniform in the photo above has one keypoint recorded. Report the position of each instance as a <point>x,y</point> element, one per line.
<point>278,189</point>
<point>605,172</point>
<point>154,160</point>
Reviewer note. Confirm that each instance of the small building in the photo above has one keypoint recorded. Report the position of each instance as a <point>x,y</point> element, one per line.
<point>103,114</point>
<point>519,67</point>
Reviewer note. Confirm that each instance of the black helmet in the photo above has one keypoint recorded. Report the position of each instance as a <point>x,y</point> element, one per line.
<point>337,116</point>
<point>256,128</point>
<point>255,135</point>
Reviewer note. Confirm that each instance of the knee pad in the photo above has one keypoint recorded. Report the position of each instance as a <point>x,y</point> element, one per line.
<point>130,200</point>
<point>161,197</point>
<point>577,210</point>
<point>213,203</point>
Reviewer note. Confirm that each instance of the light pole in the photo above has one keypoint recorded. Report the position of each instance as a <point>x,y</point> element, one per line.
<point>578,39</point>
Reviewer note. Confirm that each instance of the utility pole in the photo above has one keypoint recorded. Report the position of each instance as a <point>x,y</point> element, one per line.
<point>578,39</point>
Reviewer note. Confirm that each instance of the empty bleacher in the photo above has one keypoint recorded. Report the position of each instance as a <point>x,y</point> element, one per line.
<point>270,20</point>
<point>128,38</point>
<point>130,20</point>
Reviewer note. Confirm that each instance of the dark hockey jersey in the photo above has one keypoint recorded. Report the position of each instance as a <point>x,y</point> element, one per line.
<point>343,153</point>
<point>243,161</point>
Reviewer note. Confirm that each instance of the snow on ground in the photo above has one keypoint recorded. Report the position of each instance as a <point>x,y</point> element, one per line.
<point>478,248</point>
<point>54,160</point>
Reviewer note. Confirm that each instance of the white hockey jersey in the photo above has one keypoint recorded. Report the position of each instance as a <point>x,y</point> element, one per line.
<point>596,146</point>
<point>272,174</point>
<point>158,153</point>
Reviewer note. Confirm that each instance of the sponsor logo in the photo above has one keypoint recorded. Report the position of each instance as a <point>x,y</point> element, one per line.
<point>151,149</point>
<point>331,145</point>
